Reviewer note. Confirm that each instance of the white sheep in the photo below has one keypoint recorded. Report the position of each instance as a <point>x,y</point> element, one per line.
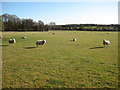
<point>40,42</point>
<point>74,39</point>
<point>23,37</point>
<point>1,37</point>
<point>12,41</point>
<point>106,42</point>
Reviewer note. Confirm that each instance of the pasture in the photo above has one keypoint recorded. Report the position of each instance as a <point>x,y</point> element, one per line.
<point>60,63</point>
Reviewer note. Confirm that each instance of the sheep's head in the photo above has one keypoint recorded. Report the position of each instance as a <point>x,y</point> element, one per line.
<point>44,41</point>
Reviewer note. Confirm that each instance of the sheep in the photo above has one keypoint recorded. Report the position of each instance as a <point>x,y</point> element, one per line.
<point>74,39</point>
<point>12,41</point>
<point>106,42</point>
<point>40,42</point>
<point>1,37</point>
<point>23,37</point>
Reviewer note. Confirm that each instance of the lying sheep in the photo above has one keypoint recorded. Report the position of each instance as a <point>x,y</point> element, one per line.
<point>74,39</point>
<point>106,42</point>
<point>12,41</point>
<point>23,37</point>
<point>40,42</point>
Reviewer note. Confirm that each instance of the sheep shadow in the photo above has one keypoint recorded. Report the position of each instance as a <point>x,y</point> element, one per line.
<point>96,47</point>
<point>4,45</point>
<point>29,47</point>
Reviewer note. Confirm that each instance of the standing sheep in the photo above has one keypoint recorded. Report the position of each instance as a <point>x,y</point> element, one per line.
<point>23,37</point>
<point>40,42</point>
<point>1,37</point>
<point>12,41</point>
<point>74,39</point>
<point>106,42</point>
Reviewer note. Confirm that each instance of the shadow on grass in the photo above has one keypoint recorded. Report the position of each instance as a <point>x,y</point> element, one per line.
<point>96,47</point>
<point>29,47</point>
<point>4,45</point>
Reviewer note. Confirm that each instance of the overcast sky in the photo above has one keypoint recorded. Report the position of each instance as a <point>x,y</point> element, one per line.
<point>65,12</point>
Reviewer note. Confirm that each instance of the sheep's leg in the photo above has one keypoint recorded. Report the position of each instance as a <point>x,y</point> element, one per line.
<point>103,45</point>
<point>10,44</point>
<point>36,45</point>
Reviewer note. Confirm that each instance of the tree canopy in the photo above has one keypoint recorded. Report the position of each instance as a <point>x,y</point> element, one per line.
<point>14,23</point>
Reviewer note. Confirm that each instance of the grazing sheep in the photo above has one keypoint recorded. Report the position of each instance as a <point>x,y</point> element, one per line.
<point>40,42</point>
<point>106,42</point>
<point>23,37</point>
<point>74,39</point>
<point>12,41</point>
<point>1,37</point>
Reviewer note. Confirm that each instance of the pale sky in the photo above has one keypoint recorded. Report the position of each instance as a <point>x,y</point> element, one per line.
<point>65,12</point>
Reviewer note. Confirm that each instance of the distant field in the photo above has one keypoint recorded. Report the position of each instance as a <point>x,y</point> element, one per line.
<point>61,63</point>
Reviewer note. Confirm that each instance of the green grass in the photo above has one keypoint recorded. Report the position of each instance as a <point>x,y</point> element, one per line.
<point>60,63</point>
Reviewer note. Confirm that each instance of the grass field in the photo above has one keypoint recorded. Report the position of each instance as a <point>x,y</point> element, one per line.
<point>61,63</point>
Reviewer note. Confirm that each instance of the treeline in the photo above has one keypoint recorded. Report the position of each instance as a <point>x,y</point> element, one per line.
<point>14,23</point>
<point>88,27</point>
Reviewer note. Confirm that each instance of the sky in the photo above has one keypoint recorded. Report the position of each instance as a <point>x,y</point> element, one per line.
<point>65,12</point>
